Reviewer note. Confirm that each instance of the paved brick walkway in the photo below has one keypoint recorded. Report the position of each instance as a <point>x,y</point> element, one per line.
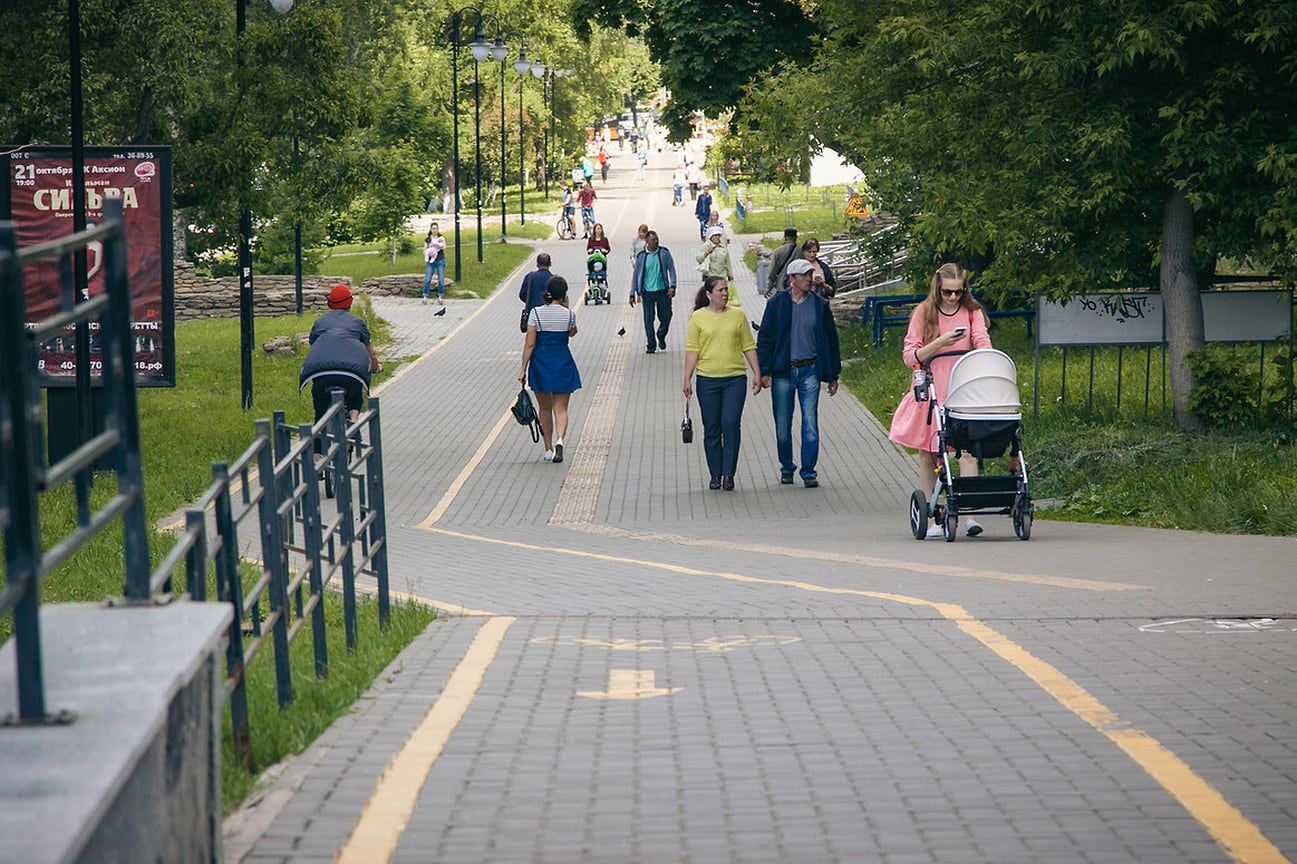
<point>635,669</point>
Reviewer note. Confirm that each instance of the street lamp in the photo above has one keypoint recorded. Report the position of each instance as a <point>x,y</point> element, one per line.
<point>538,69</point>
<point>521,65</point>
<point>482,50</point>
<point>246,335</point>
<point>479,42</point>
<point>500,53</point>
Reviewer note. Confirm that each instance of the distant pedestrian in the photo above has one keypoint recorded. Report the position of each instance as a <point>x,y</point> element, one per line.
<point>603,163</point>
<point>823,282</point>
<point>587,198</point>
<point>434,262</point>
<point>717,342</point>
<point>641,160</point>
<point>653,282</point>
<point>547,363</point>
<point>714,260</point>
<point>797,348</point>
<point>694,177</point>
<point>775,279</point>
<point>598,241</point>
<point>532,292</point>
<point>678,186</point>
<point>703,211</point>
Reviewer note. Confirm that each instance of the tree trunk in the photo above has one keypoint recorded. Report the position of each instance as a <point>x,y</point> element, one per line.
<point>144,117</point>
<point>1178,282</point>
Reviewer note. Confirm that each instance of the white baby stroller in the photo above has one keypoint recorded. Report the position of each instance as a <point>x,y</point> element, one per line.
<point>981,416</point>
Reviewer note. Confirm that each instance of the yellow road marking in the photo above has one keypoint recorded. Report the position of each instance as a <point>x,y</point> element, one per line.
<point>458,483</point>
<point>864,560</point>
<point>1233,831</point>
<point>388,810</point>
<point>630,684</point>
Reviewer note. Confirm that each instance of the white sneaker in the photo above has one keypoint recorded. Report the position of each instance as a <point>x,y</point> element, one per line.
<point>549,456</point>
<point>935,532</point>
<point>971,527</point>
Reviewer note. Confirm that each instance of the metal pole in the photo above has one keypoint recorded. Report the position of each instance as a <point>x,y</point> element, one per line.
<point>522,158</point>
<point>454,112</point>
<point>80,282</point>
<point>477,151</point>
<point>544,103</point>
<point>245,261</point>
<point>297,245</point>
<point>503,230</point>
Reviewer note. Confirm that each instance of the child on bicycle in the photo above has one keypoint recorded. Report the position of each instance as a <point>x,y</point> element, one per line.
<point>587,197</point>
<point>569,208</point>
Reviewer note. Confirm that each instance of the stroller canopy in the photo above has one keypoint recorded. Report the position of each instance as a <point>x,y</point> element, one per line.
<point>984,385</point>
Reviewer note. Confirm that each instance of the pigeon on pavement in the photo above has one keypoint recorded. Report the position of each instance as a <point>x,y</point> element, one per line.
<point>439,312</point>
<point>621,332</point>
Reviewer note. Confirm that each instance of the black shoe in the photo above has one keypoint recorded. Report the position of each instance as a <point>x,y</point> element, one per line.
<point>558,452</point>
<point>727,483</point>
<point>786,479</point>
<point>650,350</point>
<point>809,482</point>
<point>714,484</point>
<point>662,342</point>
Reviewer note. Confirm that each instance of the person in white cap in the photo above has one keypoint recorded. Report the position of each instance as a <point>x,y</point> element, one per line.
<point>797,348</point>
<point>714,256</point>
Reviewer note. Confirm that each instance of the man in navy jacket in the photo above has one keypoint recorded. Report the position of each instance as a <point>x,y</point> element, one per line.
<point>797,348</point>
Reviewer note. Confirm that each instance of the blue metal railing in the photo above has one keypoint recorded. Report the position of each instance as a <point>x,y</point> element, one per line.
<point>276,482</point>
<point>24,472</point>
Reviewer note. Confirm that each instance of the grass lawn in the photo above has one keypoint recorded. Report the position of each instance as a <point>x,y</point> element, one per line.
<point>1128,467</point>
<point>362,261</point>
<point>814,212</point>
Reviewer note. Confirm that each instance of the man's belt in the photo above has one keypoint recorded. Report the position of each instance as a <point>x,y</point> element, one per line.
<point>798,364</point>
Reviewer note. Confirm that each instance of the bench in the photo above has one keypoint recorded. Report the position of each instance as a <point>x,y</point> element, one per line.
<point>875,308</point>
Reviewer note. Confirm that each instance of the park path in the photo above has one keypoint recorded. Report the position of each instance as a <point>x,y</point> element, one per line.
<point>631,668</point>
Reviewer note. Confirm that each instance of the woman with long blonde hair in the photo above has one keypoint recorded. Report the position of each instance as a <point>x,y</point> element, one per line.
<point>948,319</point>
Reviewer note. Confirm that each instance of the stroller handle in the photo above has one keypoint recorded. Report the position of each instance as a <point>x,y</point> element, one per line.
<point>927,364</point>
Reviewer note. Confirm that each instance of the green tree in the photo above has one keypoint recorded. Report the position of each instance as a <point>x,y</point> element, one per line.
<point>1074,146</point>
<point>707,50</point>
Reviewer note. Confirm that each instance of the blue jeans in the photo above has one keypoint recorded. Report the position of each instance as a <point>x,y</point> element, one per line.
<point>656,303</point>
<point>720,402</point>
<point>438,269</point>
<point>807,386</point>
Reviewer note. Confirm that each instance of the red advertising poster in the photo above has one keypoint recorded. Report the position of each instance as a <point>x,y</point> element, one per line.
<point>40,204</point>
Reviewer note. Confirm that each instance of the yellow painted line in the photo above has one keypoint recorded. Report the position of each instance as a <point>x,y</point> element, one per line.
<point>865,560</point>
<point>630,684</point>
<point>467,471</point>
<point>388,811</point>
<point>1233,831</point>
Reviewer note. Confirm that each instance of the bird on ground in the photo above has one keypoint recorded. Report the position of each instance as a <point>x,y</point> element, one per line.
<point>439,312</point>
<point>621,332</point>
<point>755,325</point>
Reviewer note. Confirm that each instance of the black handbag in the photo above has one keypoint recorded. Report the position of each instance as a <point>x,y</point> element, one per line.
<point>687,426</point>
<point>522,325</point>
<point>525,413</point>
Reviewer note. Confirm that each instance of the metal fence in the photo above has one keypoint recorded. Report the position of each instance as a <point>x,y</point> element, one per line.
<point>23,472</point>
<point>305,546</point>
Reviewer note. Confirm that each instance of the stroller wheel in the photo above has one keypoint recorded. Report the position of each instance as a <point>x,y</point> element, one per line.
<point>328,483</point>
<point>1022,515</point>
<point>918,515</point>
<point>951,525</point>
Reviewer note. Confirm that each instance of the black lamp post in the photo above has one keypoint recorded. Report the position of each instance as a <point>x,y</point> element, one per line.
<point>246,335</point>
<point>481,50</point>
<point>479,41</point>
<point>500,53</point>
<point>521,65</point>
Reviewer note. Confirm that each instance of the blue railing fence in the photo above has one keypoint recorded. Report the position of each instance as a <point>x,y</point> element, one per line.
<point>306,546</point>
<point>23,472</point>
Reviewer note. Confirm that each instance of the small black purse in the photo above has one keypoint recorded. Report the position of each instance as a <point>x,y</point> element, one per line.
<point>687,427</point>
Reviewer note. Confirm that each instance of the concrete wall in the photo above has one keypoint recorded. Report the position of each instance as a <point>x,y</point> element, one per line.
<point>201,297</point>
<point>136,776</point>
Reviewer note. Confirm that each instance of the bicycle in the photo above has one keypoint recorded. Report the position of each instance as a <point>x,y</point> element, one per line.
<point>565,228</point>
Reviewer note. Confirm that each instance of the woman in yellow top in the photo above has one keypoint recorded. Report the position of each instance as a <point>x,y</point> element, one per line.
<point>716,344</point>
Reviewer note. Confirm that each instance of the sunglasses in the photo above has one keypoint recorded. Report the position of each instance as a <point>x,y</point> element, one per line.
<point>954,293</point>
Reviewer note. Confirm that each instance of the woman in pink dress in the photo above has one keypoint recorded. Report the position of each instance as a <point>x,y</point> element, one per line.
<point>948,320</point>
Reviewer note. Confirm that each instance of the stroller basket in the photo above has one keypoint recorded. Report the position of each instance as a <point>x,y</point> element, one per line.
<point>979,493</point>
